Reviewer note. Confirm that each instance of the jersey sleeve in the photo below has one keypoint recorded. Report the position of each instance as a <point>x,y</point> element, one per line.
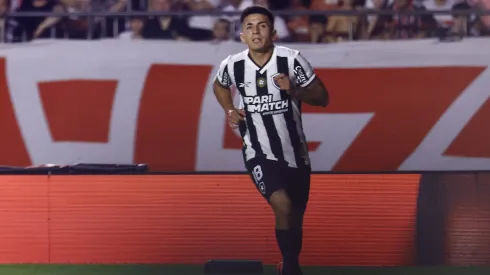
<point>303,71</point>
<point>223,76</point>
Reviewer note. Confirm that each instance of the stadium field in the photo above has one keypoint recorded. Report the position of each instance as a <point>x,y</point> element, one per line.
<point>29,269</point>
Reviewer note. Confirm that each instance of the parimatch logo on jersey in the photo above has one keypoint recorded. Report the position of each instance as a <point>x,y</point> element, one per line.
<point>265,105</point>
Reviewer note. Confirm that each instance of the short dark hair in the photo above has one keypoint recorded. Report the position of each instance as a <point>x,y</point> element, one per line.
<point>257,10</point>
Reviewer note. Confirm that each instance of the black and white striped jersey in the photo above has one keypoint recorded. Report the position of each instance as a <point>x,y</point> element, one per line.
<point>273,127</point>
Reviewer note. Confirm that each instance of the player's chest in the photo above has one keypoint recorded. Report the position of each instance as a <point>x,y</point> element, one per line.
<point>261,94</point>
<point>256,83</point>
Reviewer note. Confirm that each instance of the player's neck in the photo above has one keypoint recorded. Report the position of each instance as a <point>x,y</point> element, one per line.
<point>260,58</point>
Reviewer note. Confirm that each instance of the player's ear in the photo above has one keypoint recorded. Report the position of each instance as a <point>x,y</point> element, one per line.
<point>274,35</point>
<point>242,38</point>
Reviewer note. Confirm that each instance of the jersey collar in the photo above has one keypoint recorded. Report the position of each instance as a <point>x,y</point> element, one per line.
<point>266,65</point>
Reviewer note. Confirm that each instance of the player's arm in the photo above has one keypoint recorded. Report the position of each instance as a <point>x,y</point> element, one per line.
<point>221,86</point>
<point>314,94</point>
<point>222,91</point>
<point>223,95</point>
<point>309,88</point>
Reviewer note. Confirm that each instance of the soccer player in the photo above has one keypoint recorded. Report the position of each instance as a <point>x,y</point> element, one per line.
<point>272,82</point>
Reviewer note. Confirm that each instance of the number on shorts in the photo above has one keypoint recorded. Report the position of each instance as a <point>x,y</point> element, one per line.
<point>257,173</point>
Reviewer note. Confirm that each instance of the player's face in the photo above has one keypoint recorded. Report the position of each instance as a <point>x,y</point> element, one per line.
<point>257,32</point>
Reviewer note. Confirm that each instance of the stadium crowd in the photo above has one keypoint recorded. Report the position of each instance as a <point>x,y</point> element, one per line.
<point>312,29</point>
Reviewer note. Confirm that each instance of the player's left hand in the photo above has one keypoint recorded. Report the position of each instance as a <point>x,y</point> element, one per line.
<point>283,82</point>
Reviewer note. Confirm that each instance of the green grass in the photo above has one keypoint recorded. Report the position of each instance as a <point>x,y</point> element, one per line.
<point>198,270</point>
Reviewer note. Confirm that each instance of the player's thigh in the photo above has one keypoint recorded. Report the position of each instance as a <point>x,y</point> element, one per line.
<point>299,187</point>
<point>267,175</point>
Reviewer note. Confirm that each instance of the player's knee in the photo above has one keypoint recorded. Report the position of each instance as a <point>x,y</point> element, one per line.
<point>280,203</point>
<point>296,220</point>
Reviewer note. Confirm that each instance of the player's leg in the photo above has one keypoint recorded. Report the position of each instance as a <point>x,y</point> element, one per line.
<point>299,191</point>
<point>282,208</point>
<point>286,232</point>
<point>270,178</point>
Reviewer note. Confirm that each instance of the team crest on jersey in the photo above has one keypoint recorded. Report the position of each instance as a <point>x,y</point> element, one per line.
<point>274,82</point>
<point>261,82</point>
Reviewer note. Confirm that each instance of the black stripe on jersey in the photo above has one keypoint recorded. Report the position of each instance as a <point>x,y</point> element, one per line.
<point>239,71</point>
<point>300,112</point>
<point>269,125</point>
<point>283,68</point>
<point>225,78</point>
<point>242,127</point>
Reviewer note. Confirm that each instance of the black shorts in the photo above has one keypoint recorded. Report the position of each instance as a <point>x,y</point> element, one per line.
<point>270,176</point>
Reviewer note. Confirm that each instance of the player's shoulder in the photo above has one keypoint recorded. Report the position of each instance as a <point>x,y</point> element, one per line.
<point>286,52</point>
<point>230,59</point>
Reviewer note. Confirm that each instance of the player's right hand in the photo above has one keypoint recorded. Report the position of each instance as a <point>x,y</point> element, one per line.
<point>235,116</point>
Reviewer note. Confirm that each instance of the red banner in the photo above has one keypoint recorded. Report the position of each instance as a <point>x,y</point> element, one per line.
<point>404,106</point>
<point>351,220</point>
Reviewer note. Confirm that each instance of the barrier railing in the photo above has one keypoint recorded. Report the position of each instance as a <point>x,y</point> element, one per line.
<point>124,18</point>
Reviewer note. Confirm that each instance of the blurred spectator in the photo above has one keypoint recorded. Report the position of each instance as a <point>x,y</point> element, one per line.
<point>200,27</point>
<point>442,20</point>
<point>78,27</point>
<point>109,26</point>
<point>138,5</point>
<point>299,24</point>
<point>280,26</point>
<point>375,24</point>
<point>483,22</point>
<point>313,29</point>
<point>317,32</point>
<point>7,25</point>
<point>324,5</point>
<point>342,27</point>
<point>165,27</point>
<point>202,22</point>
<point>34,27</point>
<point>402,26</point>
<point>221,30</point>
<point>317,28</point>
<point>440,23</point>
<point>135,29</point>
<point>235,6</point>
<point>280,4</point>
<point>74,26</point>
<point>470,25</point>
<point>459,21</point>
<point>14,4</point>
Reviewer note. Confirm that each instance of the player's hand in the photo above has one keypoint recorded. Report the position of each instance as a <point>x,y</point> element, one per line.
<point>234,117</point>
<point>283,82</point>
